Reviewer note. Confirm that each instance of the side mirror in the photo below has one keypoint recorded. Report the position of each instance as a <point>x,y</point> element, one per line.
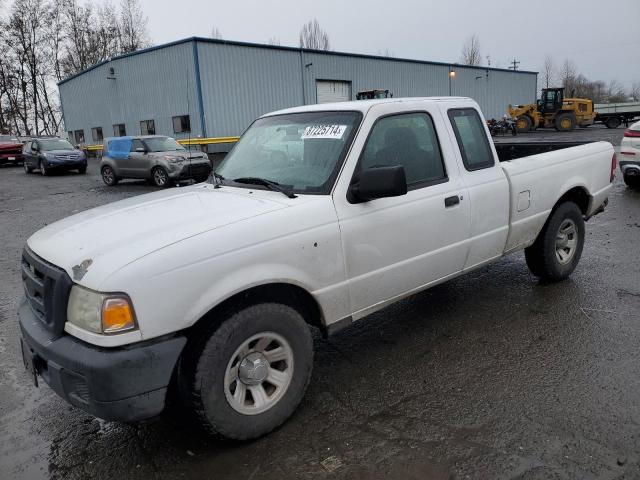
<point>379,182</point>
<point>140,150</point>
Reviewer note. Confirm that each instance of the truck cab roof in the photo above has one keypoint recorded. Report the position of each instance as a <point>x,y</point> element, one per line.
<point>361,105</point>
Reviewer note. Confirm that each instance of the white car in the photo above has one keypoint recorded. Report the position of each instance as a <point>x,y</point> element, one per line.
<point>209,291</point>
<point>630,155</point>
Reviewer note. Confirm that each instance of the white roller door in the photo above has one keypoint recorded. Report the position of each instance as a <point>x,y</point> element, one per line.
<point>332,91</point>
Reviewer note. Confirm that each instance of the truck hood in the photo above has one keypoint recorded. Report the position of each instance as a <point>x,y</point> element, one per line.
<point>92,244</point>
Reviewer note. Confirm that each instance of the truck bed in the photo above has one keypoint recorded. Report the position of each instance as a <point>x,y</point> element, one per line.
<point>512,151</point>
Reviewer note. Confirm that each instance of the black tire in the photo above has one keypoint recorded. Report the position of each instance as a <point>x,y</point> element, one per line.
<point>202,369</point>
<point>160,177</point>
<point>565,122</point>
<point>27,168</point>
<point>82,170</point>
<point>612,122</point>
<point>524,123</point>
<point>632,182</point>
<point>108,176</point>
<point>543,257</point>
<point>43,168</point>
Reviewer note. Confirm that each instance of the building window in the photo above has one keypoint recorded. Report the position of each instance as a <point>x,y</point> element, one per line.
<point>79,136</point>
<point>96,134</point>
<point>181,124</point>
<point>70,136</point>
<point>147,127</point>
<point>119,130</point>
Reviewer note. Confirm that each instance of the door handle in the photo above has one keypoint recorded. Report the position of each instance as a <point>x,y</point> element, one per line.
<point>451,201</point>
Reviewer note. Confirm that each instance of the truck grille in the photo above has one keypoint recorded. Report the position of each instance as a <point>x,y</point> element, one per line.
<point>47,290</point>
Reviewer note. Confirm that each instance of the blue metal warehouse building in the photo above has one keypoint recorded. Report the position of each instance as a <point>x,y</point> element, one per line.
<point>199,87</point>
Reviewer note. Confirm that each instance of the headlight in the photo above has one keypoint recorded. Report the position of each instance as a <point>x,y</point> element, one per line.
<point>177,160</point>
<point>100,312</point>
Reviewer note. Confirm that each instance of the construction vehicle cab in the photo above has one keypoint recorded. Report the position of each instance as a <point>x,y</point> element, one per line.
<point>553,110</point>
<point>373,94</point>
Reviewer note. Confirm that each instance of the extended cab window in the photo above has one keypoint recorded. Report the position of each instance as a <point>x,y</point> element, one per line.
<point>409,140</point>
<point>472,138</point>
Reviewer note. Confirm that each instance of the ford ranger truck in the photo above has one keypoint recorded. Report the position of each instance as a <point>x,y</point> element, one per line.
<point>206,294</point>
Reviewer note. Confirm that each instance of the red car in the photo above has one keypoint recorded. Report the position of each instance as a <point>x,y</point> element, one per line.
<point>10,150</point>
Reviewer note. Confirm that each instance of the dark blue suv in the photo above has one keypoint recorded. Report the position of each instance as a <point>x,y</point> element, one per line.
<point>53,154</point>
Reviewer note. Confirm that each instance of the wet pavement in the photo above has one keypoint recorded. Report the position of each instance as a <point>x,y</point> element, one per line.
<point>490,376</point>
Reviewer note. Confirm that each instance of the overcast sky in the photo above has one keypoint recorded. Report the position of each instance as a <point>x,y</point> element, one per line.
<point>602,37</point>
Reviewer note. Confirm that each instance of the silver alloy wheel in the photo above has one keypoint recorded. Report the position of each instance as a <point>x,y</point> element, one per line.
<point>566,241</point>
<point>25,166</point>
<point>159,177</point>
<point>258,373</point>
<point>107,175</point>
<point>43,169</point>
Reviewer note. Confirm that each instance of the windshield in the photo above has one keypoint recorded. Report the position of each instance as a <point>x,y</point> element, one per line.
<point>300,151</point>
<point>54,144</point>
<point>162,144</point>
<point>8,139</point>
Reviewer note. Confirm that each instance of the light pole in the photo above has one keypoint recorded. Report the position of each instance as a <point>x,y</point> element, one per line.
<point>452,75</point>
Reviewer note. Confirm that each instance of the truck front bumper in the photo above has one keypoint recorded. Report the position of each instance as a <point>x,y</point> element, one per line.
<point>121,384</point>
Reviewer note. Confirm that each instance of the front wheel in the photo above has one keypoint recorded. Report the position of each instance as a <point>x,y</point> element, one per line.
<point>43,168</point>
<point>160,177</point>
<point>557,250</point>
<point>82,170</point>
<point>27,168</point>
<point>248,375</point>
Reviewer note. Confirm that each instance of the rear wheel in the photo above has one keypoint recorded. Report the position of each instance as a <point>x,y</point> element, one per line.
<point>565,122</point>
<point>160,177</point>
<point>612,122</point>
<point>248,375</point>
<point>632,181</point>
<point>524,123</point>
<point>557,250</point>
<point>108,176</point>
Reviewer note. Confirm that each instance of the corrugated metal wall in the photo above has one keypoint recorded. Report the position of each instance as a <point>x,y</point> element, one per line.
<point>155,85</point>
<point>240,82</point>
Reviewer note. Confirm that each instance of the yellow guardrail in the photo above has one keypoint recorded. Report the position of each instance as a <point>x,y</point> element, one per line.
<point>188,141</point>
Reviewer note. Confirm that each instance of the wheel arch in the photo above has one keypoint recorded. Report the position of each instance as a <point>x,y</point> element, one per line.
<point>578,195</point>
<point>286,293</point>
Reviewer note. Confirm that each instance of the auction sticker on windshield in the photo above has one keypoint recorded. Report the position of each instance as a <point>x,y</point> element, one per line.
<point>324,131</point>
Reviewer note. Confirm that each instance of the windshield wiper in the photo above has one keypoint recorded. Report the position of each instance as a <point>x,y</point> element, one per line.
<point>275,186</point>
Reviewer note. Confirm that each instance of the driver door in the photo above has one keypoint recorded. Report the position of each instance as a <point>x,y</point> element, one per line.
<point>396,246</point>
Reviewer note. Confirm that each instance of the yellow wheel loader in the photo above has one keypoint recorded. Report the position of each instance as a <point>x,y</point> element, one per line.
<point>553,110</point>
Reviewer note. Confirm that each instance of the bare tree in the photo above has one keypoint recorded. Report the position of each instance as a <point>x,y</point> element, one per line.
<point>615,92</point>
<point>548,71</point>
<point>215,33</point>
<point>133,27</point>
<point>274,41</point>
<point>313,36</point>
<point>471,51</point>
<point>568,77</point>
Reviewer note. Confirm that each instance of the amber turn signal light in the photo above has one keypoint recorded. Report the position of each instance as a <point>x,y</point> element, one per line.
<point>117,315</point>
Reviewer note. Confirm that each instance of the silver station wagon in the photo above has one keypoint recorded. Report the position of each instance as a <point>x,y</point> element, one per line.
<point>160,160</point>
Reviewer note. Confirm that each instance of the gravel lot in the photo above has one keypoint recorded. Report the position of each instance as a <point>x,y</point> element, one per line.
<point>490,376</point>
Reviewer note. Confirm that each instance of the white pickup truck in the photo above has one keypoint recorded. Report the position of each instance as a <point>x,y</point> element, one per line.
<point>207,292</point>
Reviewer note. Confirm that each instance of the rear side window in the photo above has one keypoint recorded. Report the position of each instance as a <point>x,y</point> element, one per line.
<point>472,138</point>
<point>136,144</point>
<point>409,140</point>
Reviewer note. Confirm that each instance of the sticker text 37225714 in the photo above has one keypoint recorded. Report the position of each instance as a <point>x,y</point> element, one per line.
<point>324,131</point>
